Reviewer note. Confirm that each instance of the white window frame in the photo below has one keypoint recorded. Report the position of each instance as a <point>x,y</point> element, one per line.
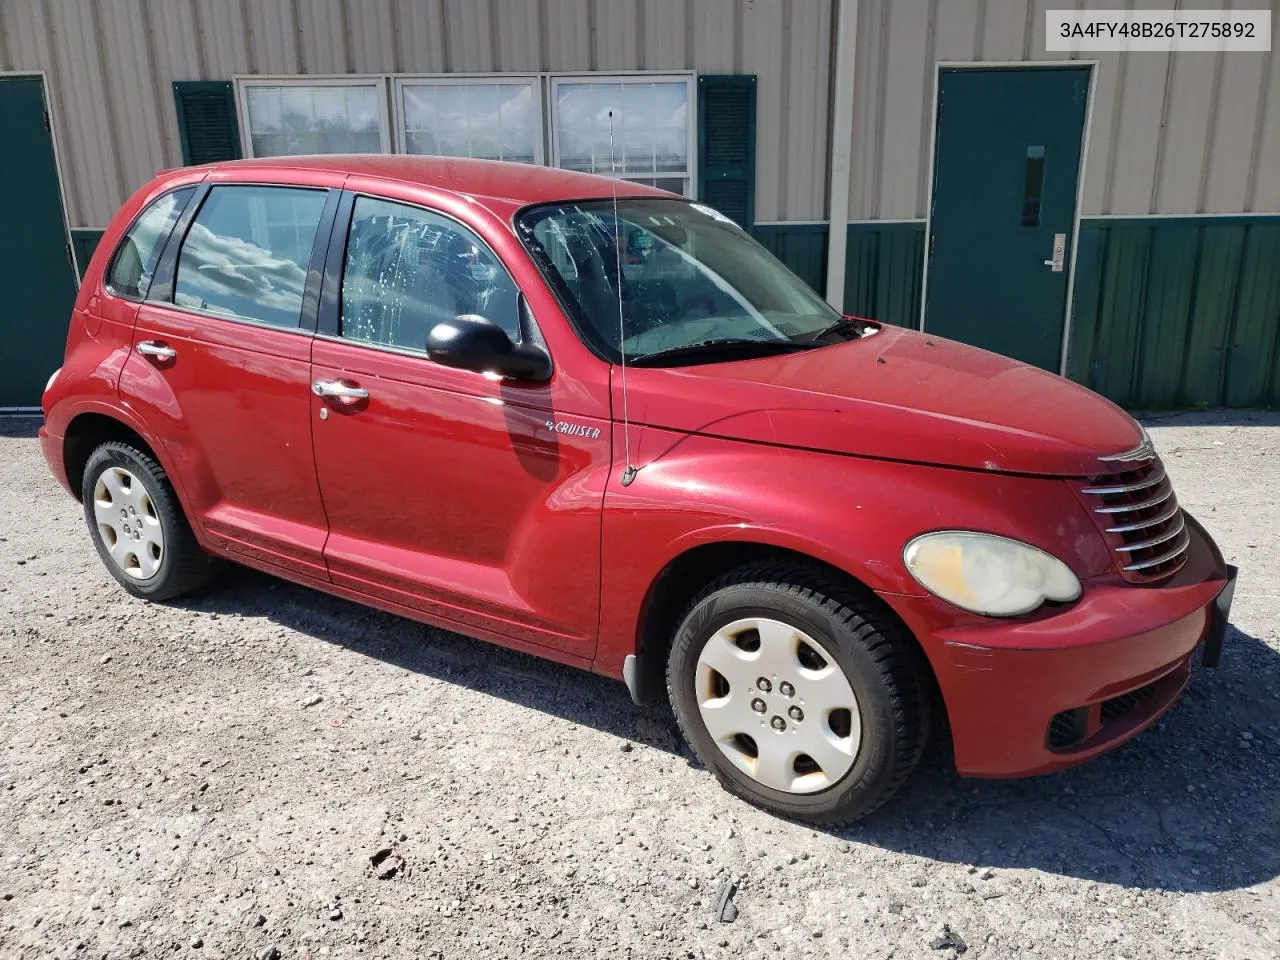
<point>377,81</point>
<point>534,80</point>
<point>687,78</point>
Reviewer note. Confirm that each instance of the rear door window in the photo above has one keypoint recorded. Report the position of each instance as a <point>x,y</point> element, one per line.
<point>246,254</point>
<point>408,269</point>
<point>134,262</point>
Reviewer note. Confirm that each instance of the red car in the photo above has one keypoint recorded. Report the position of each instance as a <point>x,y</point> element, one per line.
<point>614,431</point>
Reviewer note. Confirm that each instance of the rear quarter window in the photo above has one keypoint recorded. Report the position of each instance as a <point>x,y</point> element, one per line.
<point>134,261</point>
<point>246,254</point>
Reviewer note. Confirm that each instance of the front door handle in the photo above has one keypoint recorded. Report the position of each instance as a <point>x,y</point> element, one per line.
<point>154,348</point>
<point>336,388</point>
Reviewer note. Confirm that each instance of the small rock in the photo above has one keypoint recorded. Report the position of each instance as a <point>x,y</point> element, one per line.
<point>386,863</point>
<point>627,746</point>
<point>312,701</point>
<point>260,921</point>
<point>986,874</point>
<point>896,908</point>
<point>726,912</point>
<point>992,895</point>
<point>335,913</point>
<point>196,943</point>
<point>1246,735</point>
<point>949,940</point>
<point>271,953</point>
<point>919,882</point>
<point>106,659</point>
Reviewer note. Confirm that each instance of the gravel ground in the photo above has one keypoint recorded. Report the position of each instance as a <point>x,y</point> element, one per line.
<point>212,778</point>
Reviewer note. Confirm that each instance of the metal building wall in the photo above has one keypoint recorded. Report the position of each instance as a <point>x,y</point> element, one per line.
<point>1148,148</point>
<point>110,64</point>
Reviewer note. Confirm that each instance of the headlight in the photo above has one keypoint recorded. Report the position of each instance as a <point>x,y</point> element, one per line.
<point>991,575</point>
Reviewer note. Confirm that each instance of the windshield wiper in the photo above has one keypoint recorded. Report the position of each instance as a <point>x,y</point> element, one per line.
<point>832,328</point>
<point>721,345</point>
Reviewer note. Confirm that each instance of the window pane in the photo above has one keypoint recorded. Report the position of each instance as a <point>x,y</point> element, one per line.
<point>489,121</point>
<point>408,270</point>
<point>247,251</point>
<point>328,118</point>
<point>650,128</point>
<point>134,261</point>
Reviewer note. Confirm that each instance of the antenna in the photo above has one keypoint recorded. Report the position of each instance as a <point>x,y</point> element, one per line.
<point>629,473</point>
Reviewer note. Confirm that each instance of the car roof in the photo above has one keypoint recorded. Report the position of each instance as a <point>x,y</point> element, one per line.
<point>516,183</point>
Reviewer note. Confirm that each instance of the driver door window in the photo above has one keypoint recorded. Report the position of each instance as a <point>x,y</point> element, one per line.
<point>408,269</point>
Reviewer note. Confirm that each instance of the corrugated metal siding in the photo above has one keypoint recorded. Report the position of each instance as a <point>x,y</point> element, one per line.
<point>1168,313</point>
<point>883,272</point>
<point>883,264</point>
<point>110,65</point>
<point>1171,133</point>
<point>1178,312</point>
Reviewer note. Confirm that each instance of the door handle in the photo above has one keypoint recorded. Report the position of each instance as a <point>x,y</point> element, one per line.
<point>1059,259</point>
<point>336,388</point>
<point>154,348</point>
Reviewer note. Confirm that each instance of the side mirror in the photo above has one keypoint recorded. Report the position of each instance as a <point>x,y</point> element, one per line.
<point>470,342</point>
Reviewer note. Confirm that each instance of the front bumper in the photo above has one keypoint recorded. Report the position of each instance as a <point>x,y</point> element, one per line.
<point>1035,695</point>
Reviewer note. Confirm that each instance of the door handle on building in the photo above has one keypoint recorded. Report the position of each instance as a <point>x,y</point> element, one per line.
<point>154,348</point>
<point>1059,253</point>
<point>338,389</point>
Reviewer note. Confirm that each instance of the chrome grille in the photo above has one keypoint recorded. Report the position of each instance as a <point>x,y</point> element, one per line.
<point>1139,514</point>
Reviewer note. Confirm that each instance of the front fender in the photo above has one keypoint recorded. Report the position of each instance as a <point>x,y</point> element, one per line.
<point>852,513</point>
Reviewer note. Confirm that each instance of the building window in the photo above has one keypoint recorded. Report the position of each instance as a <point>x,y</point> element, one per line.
<point>487,119</point>
<point>494,117</point>
<point>652,139</point>
<point>314,116</point>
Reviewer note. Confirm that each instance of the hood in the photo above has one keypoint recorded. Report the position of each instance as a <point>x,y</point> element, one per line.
<point>895,395</point>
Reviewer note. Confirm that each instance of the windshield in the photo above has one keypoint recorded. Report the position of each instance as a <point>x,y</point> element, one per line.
<point>689,276</point>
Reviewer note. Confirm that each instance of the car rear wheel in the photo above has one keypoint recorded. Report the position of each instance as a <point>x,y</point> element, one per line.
<point>138,527</point>
<point>800,692</point>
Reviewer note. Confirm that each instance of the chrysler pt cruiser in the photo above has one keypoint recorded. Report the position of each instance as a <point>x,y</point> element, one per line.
<point>597,422</point>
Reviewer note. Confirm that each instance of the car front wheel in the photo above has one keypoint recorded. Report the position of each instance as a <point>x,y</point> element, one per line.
<point>799,691</point>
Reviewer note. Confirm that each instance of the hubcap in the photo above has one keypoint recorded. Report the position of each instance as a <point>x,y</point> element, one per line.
<point>128,524</point>
<point>778,705</point>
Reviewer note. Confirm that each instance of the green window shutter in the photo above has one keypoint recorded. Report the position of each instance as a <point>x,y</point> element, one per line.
<point>207,120</point>
<point>727,145</point>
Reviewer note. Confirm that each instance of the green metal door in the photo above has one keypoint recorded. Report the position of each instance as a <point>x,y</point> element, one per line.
<point>1006,167</point>
<point>36,272</point>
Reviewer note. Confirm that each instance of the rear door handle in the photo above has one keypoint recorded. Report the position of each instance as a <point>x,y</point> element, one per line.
<point>154,348</point>
<point>336,388</point>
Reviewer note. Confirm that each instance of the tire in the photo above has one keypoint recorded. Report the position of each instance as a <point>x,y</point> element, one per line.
<point>159,557</point>
<point>792,606</point>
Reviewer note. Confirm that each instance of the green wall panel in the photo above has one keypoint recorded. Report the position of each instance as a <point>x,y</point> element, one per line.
<point>801,246</point>
<point>1178,312</point>
<point>883,272</point>
<point>1161,337</point>
<point>883,264</point>
<point>1251,350</point>
<point>1212,306</point>
<point>84,242</point>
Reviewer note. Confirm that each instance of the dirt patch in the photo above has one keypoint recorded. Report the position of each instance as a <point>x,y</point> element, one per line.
<point>217,778</point>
